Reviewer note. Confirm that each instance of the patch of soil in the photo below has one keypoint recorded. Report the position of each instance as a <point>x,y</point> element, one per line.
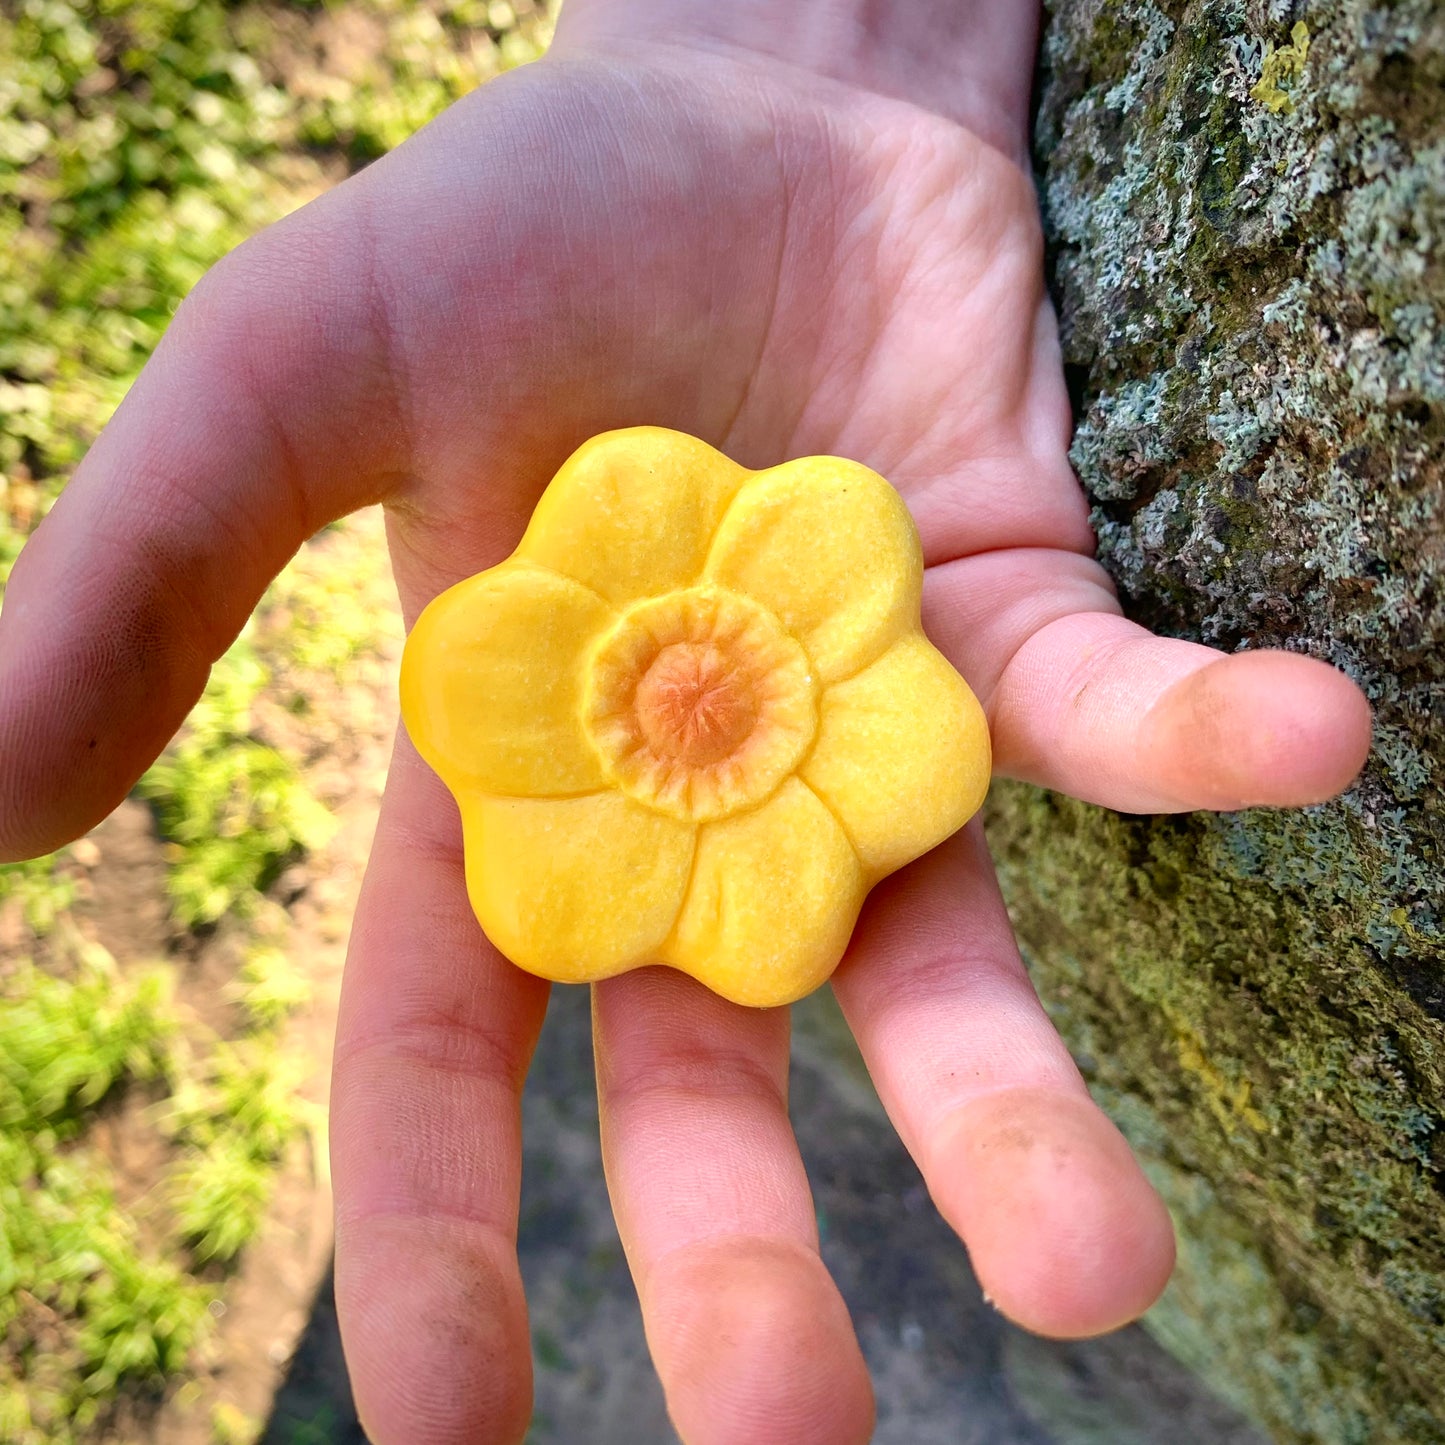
<point>123,903</point>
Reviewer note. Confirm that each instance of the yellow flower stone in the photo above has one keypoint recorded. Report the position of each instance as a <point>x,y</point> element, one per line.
<point>693,718</point>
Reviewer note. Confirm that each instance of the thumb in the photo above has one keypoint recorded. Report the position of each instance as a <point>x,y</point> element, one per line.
<point>265,412</point>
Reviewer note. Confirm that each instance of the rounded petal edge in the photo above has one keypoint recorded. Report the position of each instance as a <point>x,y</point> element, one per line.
<point>902,756</point>
<point>632,513</point>
<point>831,549</point>
<point>492,678</point>
<point>772,901</point>
<point>575,889</point>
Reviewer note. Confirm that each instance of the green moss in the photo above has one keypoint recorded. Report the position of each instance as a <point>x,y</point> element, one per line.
<point>1286,1091</point>
<point>1252,301</point>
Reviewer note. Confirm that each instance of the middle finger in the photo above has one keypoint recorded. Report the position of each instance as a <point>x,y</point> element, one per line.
<point>748,1331</point>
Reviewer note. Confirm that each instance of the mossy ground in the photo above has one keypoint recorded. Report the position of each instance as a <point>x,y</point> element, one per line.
<point>1253,307</point>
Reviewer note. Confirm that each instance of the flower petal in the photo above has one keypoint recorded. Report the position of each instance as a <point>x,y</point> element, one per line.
<point>632,513</point>
<point>773,899</point>
<point>491,682</point>
<point>902,754</point>
<point>575,889</point>
<point>830,548</point>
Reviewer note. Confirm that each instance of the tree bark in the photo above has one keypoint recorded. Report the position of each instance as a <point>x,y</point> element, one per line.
<point>1245,204</point>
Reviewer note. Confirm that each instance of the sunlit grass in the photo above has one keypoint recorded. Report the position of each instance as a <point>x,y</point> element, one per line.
<point>234,809</point>
<point>43,888</point>
<point>235,1120</point>
<point>83,1304</point>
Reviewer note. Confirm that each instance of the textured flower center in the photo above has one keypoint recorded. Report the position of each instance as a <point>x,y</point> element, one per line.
<point>699,704</point>
<point>696,704</point>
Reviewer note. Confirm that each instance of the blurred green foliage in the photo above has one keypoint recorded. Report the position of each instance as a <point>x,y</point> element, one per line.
<point>43,887</point>
<point>68,1041</point>
<point>82,1304</point>
<point>230,1426</point>
<point>234,809</point>
<point>139,141</point>
<point>270,988</point>
<point>96,1291</point>
<point>236,1119</point>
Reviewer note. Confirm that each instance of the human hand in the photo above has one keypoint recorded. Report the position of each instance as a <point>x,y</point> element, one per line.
<point>778,257</point>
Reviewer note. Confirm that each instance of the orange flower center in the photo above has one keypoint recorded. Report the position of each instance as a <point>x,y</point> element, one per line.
<point>695,703</point>
<point>699,704</point>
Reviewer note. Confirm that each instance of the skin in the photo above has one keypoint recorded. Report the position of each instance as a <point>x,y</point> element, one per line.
<point>736,225</point>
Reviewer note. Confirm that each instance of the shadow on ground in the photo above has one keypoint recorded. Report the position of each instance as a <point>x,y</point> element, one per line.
<point>947,1369</point>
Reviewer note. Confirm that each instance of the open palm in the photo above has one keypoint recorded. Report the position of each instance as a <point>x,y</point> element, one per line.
<point>781,265</point>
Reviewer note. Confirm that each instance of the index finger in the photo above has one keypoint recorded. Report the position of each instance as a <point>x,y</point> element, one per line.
<point>265,413</point>
<point>434,1037</point>
<point>1083,700</point>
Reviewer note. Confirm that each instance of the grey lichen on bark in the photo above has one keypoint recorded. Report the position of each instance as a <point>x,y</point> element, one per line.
<point>1245,204</point>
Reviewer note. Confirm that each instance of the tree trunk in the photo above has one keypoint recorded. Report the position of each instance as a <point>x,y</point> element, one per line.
<point>1246,212</point>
